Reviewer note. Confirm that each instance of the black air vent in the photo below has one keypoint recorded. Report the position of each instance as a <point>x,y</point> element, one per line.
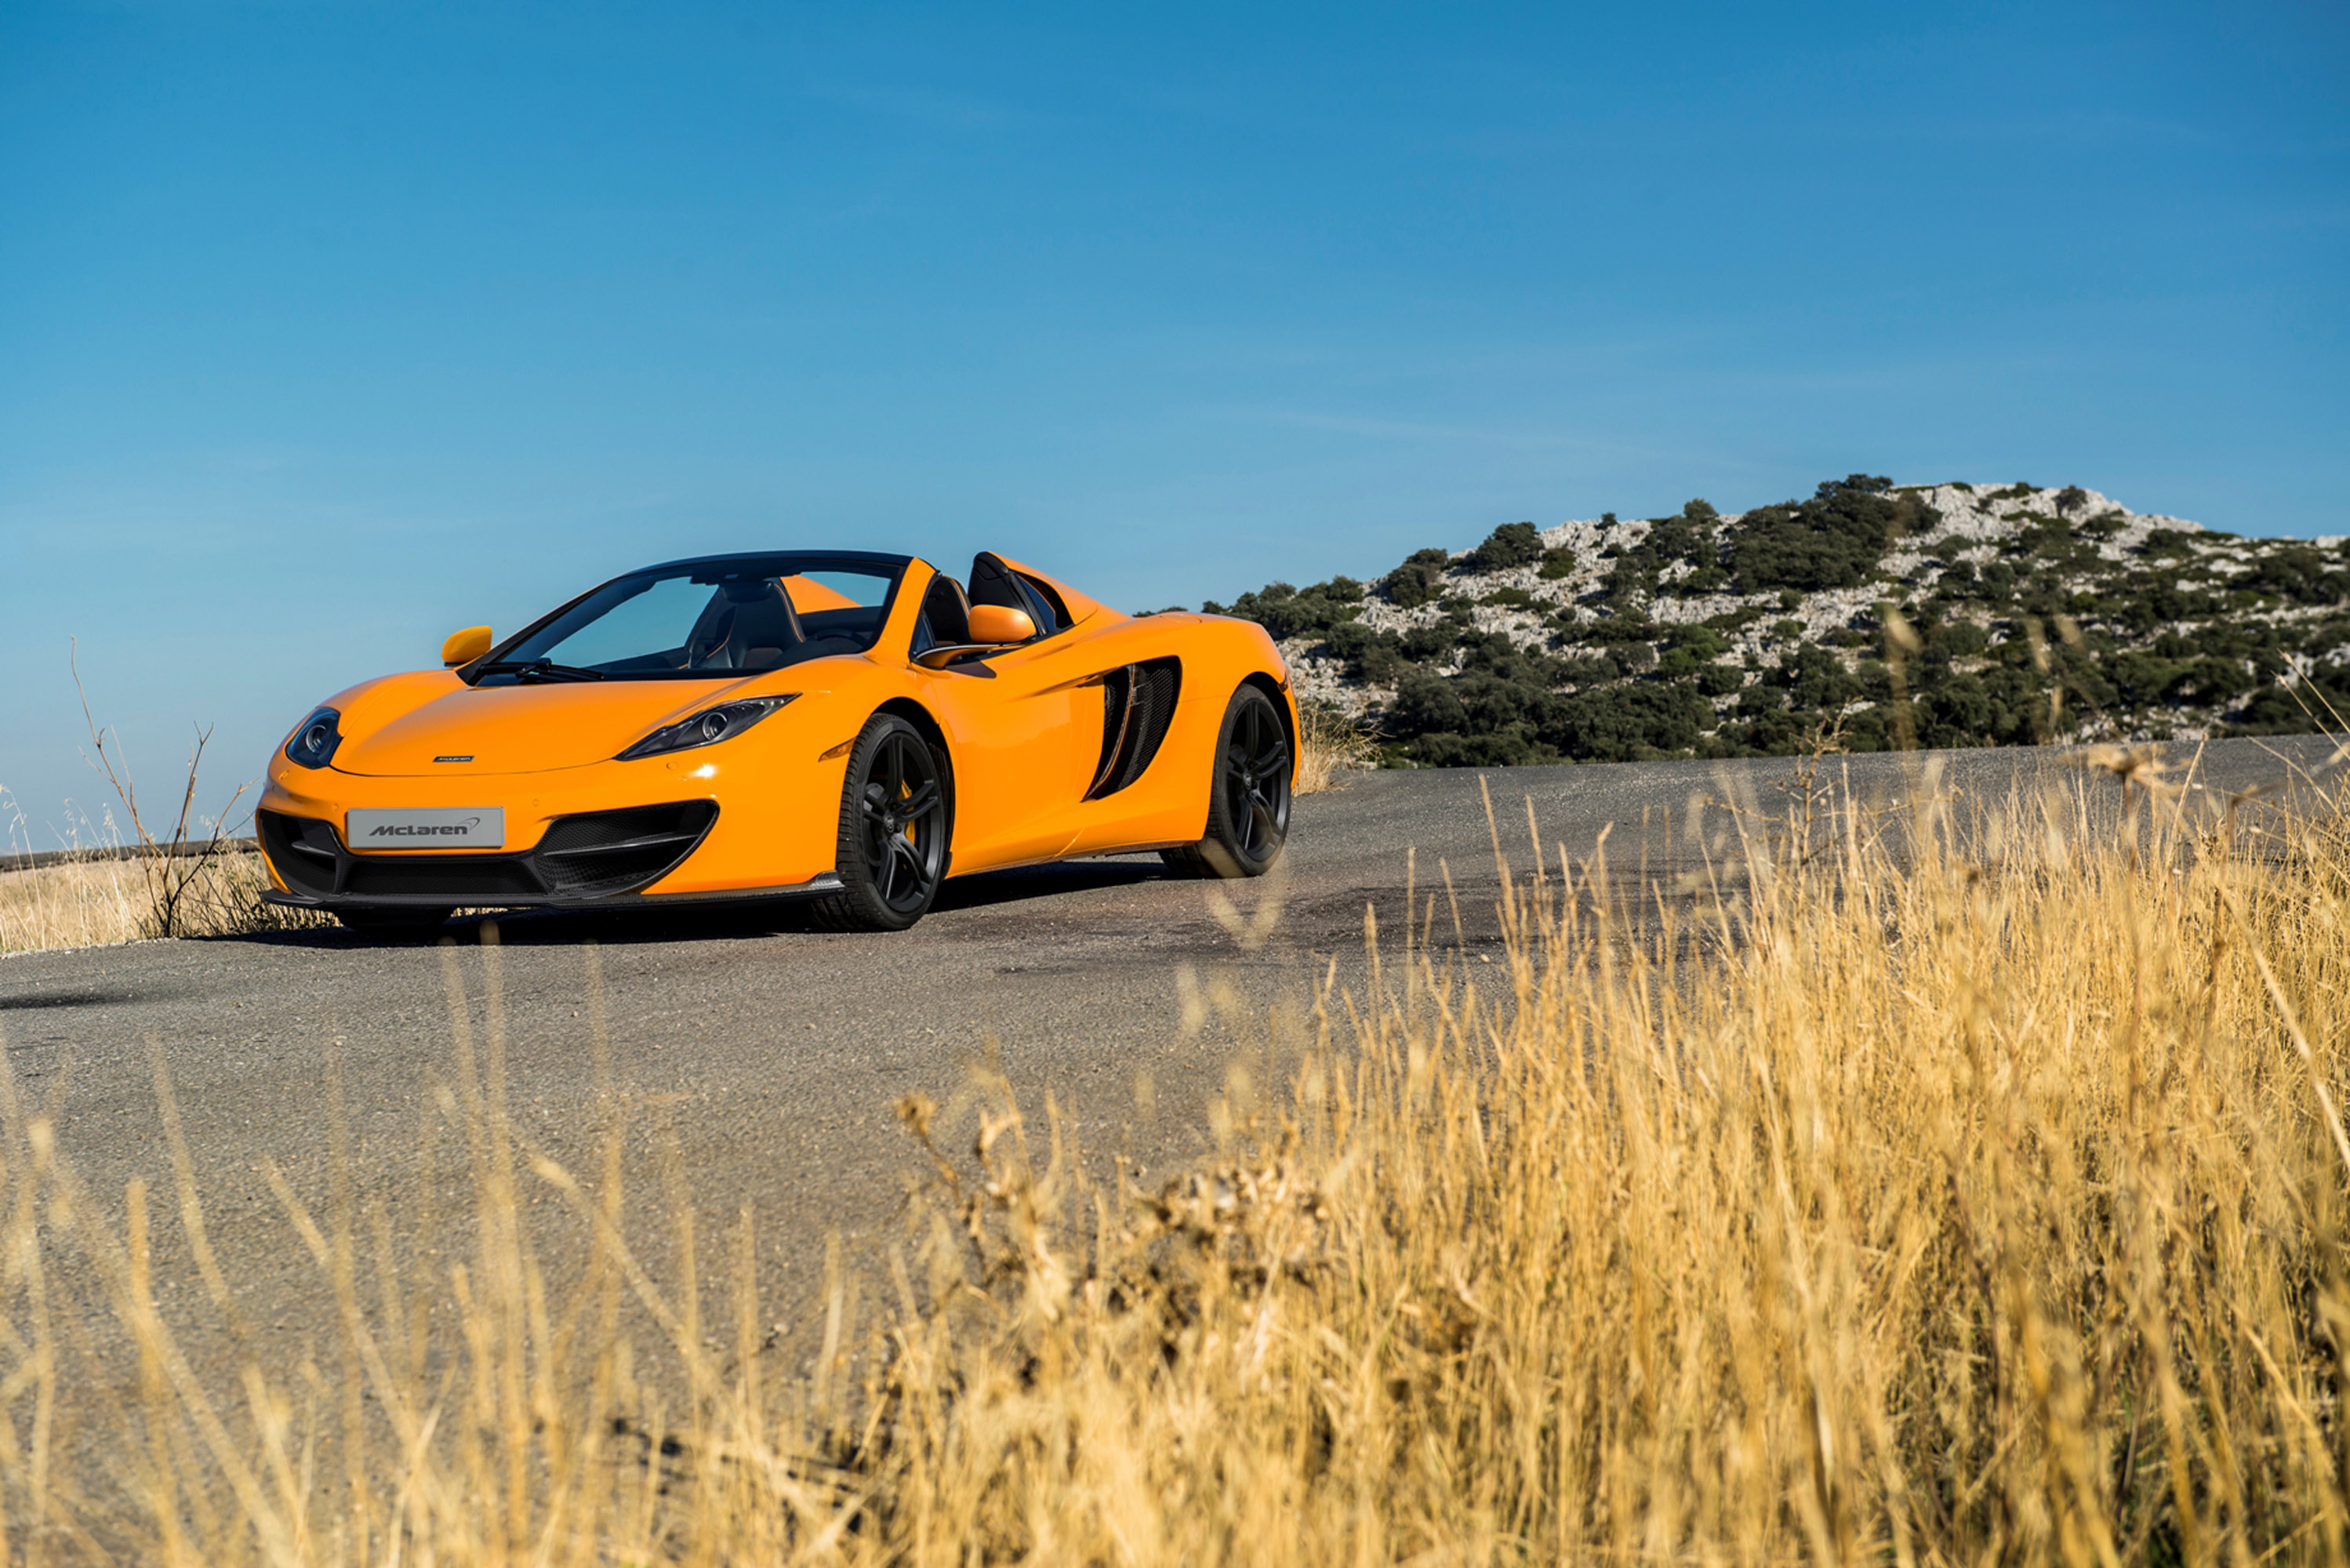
<point>455,878</point>
<point>618,851</point>
<point>303,849</point>
<point>1138,704</point>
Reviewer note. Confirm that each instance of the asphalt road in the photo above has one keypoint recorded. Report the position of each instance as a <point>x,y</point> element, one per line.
<point>768,1060</point>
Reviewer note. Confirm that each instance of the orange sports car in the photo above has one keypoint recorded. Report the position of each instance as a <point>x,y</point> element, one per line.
<point>842,726</point>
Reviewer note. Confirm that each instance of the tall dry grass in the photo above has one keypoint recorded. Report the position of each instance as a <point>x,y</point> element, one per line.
<point>95,901</point>
<point>1983,1204</point>
<point>1331,743</point>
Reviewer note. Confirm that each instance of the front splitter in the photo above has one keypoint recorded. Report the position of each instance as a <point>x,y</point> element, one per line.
<point>829,882</point>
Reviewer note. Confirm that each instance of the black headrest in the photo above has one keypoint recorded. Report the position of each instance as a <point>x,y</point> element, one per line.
<point>946,609</point>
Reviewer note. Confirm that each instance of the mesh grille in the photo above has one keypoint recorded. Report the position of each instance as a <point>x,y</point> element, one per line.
<point>1137,705</point>
<point>615,851</point>
<point>460,878</point>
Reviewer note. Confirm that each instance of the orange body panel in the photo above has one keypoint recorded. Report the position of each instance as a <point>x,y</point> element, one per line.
<point>1023,730</point>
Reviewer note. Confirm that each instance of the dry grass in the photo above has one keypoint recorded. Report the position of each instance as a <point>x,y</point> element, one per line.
<point>87,903</point>
<point>1331,743</point>
<point>1984,1208</point>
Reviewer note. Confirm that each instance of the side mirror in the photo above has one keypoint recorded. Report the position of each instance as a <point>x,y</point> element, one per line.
<point>466,646</point>
<point>999,623</point>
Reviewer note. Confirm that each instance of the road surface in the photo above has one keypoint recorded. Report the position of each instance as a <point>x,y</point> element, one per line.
<point>769,1060</point>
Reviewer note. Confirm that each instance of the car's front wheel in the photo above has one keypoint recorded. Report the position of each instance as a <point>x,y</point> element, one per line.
<point>1247,803</point>
<point>892,848</point>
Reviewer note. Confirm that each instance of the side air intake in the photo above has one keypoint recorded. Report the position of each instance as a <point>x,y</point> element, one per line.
<point>1138,704</point>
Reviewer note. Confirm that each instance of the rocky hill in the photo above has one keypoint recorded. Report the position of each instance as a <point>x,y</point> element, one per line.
<point>1870,614</point>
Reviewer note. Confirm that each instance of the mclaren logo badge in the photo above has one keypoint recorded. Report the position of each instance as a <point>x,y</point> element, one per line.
<point>427,829</point>
<point>452,759</point>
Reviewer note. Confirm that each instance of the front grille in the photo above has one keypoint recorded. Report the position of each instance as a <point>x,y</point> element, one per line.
<point>458,879</point>
<point>593,855</point>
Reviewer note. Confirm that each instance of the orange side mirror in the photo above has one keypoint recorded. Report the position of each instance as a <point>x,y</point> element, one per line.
<point>465,646</point>
<point>999,623</point>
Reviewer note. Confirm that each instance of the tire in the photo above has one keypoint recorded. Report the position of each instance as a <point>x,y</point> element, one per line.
<point>418,923</point>
<point>1248,803</point>
<point>892,848</point>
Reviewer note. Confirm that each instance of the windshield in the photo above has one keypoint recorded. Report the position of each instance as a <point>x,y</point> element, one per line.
<point>705,620</point>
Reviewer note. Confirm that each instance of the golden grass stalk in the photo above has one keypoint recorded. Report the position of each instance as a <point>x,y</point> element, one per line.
<point>1331,743</point>
<point>88,903</point>
<point>1985,1205</point>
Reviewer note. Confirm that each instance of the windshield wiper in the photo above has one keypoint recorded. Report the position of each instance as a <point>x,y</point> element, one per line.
<point>529,669</point>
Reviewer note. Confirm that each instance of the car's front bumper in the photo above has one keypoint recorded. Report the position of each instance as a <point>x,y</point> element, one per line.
<point>742,824</point>
<point>588,860</point>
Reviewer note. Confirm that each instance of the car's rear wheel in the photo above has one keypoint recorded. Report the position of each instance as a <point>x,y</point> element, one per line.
<point>1248,804</point>
<point>892,848</point>
<point>395,922</point>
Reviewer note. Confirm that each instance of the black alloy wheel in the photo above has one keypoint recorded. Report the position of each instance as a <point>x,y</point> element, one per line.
<point>893,830</point>
<point>1248,805</point>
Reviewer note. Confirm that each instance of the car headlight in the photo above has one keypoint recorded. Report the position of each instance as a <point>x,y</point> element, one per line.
<point>708,727</point>
<point>315,739</point>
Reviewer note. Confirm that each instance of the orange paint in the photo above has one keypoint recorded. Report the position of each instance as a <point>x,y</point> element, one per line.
<point>808,595</point>
<point>1023,729</point>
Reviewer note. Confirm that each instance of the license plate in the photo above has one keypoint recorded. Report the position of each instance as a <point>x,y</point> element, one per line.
<point>450,827</point>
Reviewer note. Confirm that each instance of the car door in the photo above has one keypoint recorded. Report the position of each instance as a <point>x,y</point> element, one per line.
<point>1024,728</point>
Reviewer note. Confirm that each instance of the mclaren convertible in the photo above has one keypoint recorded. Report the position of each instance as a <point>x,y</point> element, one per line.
<point>843,727</point>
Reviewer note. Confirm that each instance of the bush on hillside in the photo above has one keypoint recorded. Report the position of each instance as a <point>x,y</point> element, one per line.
<point>1832,541</point>
<point>1418,579</point>
<point>1510,545</point>
<point>1286,612</point>
<point>1628,723</point>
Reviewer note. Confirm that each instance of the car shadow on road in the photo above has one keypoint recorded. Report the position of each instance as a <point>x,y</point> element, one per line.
<point>747,920</point>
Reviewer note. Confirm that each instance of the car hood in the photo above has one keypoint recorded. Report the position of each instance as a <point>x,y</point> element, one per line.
<point>520,729</point>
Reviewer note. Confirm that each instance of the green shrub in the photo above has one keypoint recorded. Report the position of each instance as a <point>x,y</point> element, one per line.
<point>1589,669</point>
<point>1699,638</point>
<point>1428,641</point>
<point>1625,723</point>
<point>1510,545</point>
<point>1284,612</point>
<point>1416,582</point>
<point>1716,680</point>
<point>1618,629</point>
<point>1832,541</point>
<point>2148,654</point>
<point>2300,573</point>
<point>1425,701</point>
<point>1514,747</point>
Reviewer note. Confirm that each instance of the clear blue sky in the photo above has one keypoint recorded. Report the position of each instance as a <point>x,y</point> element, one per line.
<point>325,329</point>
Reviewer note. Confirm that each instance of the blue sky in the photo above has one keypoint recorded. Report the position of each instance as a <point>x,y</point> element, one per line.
<point>325,329</point>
